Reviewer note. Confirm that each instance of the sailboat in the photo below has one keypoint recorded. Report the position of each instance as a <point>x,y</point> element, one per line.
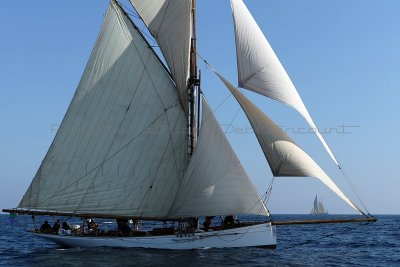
<point>140,142</point>
<point>318,207</point>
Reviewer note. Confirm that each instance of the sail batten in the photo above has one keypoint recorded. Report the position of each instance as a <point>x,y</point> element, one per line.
<point>121,148</point>
<point>169,22</point>
<point>215,182</point>
<point>284,157</point>
<point>260,70</point>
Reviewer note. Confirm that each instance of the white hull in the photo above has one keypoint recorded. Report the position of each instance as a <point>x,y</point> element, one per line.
<point>260,235</point>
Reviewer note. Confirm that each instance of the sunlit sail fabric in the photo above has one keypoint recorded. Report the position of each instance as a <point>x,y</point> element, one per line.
<point>285,158</point>
<point>122,146</point>
<point>169,21</point>
<point>215,182</point>
<point>260,69</point>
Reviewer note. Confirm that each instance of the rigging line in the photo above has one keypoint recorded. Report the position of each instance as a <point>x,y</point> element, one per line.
<point>234,117</point>
<point>162,20</point>
<point>354,189</point>
<point>115,136</point>
<point>130,10</point>
<point>172,142</point>
<point>136,186</point>
<point>148,192</point>
<point>158,93</point>
<point>269,190</point>
<point>218,106</point>
<point>136,14</point>
<point>255,204</point>
<point>110,157</point>
<point>145,40</point>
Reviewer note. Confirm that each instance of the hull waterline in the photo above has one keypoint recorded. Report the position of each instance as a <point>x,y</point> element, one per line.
<point>261,235</point>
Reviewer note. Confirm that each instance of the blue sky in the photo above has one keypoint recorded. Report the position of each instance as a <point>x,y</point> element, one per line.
<point>343,56</point>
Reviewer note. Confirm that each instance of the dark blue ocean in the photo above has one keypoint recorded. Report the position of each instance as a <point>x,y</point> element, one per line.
<point>374,244</point>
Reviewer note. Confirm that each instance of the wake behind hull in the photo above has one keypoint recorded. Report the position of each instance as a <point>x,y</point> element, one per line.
<point>260,235</point>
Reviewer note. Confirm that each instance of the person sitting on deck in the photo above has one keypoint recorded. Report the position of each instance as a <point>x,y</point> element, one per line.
<point>193,223</point>
<point>93,227</point>
<point>56,226</point>
<point>229,221</point>
<point>46,228</point>
<point>207,223</point>
<point>65,226</point>
<point>123,227</point>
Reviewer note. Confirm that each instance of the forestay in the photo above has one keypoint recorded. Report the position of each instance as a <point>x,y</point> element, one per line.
<point>169,21</point>
<point>215,182</point>
<point>260,69</point>
<point>285,158</point>
<point>121,147</point>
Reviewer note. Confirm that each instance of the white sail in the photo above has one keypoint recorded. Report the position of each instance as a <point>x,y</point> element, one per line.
<point>315,206</point>
<point>122,146</point>
<point>215,182</point>
<point>321,209</point>
<point>314,209</point>
<point>260,69</point>
<point>169,21</point>
<point>285,158</point>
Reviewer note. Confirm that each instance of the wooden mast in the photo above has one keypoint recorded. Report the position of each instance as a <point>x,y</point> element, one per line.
<point>193,84</point>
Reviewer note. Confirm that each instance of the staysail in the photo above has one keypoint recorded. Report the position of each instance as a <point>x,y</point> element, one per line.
<point>122,146</point>
<point>260,70</point>
<point>169,21</point>
<point>285,158</point>
<point>215,182</point>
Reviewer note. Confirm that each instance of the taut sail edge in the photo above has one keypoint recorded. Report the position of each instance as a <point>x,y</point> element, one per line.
<point>259,69</point>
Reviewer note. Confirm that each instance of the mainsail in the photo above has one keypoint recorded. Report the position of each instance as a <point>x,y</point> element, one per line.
<point>215,182</point>
<point>285,158</point>
<point>169,21</point>
<point>122,146</point>
<point>259,68</point>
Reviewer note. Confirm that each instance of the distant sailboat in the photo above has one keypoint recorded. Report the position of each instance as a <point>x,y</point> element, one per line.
<point>318,207</point>
<point>139,141</point>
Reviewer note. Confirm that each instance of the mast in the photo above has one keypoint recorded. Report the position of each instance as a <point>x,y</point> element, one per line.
<point>194,83</point>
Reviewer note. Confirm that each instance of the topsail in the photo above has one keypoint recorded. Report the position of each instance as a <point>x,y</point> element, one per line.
<point>260,69</point>
<point>169,21</point>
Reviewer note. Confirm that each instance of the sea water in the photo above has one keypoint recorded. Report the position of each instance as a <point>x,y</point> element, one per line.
<point>358,244</point>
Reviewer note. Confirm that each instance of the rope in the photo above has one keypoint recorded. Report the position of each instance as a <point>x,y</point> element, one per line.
<point>269,190</point>
<point>137,16</point>
<point>354,190</point>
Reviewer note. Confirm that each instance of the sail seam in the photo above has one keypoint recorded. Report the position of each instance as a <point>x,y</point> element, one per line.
<point>116,132</point>
<point>75,115</point>
<point>109,158</point>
